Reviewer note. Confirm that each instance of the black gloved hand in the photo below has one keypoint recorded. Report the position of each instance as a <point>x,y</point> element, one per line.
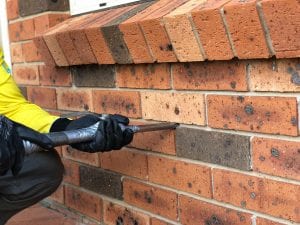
<point>109,135</point>
<point>12,150</point>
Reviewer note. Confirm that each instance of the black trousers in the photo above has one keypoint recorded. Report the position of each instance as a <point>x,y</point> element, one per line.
<point>40,176</point>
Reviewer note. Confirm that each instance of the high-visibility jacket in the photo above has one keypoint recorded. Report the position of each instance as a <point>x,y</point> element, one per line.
<point>14,106</point>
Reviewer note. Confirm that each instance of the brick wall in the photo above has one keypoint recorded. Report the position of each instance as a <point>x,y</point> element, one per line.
<point>227,71</point>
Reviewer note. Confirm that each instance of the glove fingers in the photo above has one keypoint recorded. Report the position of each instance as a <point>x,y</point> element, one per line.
<point>120,119</point>
<point>83,122</point>
<point>128,136</point>
<point>20,154</point>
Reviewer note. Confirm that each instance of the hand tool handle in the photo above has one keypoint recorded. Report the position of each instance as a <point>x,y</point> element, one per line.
<point>87,134</point>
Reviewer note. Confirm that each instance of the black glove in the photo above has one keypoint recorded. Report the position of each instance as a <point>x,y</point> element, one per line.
<point>109,135</point>
<point>12,150</point>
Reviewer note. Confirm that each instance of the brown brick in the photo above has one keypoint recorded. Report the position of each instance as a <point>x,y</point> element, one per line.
<point>180,175</point>
<point>175,107</point>
<point>12,9</point>
<point>86,203</point>
<point>79,156</point>
<point>218,75</point>
<point>284,29</point>
<point>155,76</point>
<point>127,162</point>
<point>21,30</point>
<point>44,52</point>
<point>150,198</point>
<point>155,221</point>
<point>245,29</point>
<point>261,221</point>
<point>44,97</point>
<point>44,22</point>
<point>209,24</point>
<point>274,115</point>
<point>260,194</point>
<point>275,75</point>
<point>71,172</point>
<point>55,76</point>
<point>30,52</point>
<point>16,53</point>
<point>157,141</point>
<point>26,74</point>
<point>118,214</point>
<point>195,211</point>
<point>126,103</point>
<point>76,100</point>
<point>181,32</point>
<point>58,195</point>
<point>276,157</point>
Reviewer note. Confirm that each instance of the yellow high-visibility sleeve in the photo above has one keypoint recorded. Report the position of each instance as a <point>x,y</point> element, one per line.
<point>14,106</point>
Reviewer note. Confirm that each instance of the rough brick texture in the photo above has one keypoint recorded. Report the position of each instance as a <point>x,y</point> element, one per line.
<point>30,7</point>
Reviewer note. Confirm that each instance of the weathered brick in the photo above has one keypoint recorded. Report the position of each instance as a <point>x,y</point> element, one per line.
<point>195,211</point>
<point>44,52</point>
<point>284,29</point>
<point>214,147</point>
<point>31,7</point>
<point>175,107</point>
<point>150,198</point>
<point>219,75</point>
<point>71,174</point>
<point>180,175</point>
<point>275,75</point>
<point>181,32</point>
<point>58,195</point>
<point>157,141</point>
<point>44,97</point>
<point>12,9</point>
<point>44,22</point>
<point>25,74</point>
<point>16,53</point>
<point>79,156</point>
<point>210,27</point>
<point>101,181</point>
<point>76,100</point>
<point>30,52</point>
<point>55,76</point>
<point>118,214</point>
<point>261,221</point>
<point>245,29</point>
<point>155,221</point>
<point>94,76</point>
<point>21,30</point>
<point>156,34</point>
<point>274,115</point>
<point>155,76</point>
<point>127,162</point>
<point>86,203</point>
<point>276,157</point>
<point>121,102</point>
<point>260,194</point>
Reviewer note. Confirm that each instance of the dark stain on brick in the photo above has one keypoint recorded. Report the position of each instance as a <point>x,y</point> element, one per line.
<point>176,110</point>
<point>262,158</point>
<point>190,185</point>
<point>243,204</point>
<point>294,121</point>
<point>233,84</point>
<point>168,47</point>
<point>148,197</point>
<point>174,170</point>
<point>275,152</point>
<point>240,99</point>
<point>119,221</point>
<point>249,110</point>
<point>295,77</point>
<point>213,220</point>
<point>252,195</point>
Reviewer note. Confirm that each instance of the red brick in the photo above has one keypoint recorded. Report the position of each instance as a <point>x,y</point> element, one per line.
<point>175,107</point>
<point>284,29</point>
<point>12,9</point>
<point>16,53</point>
<point>44,52</point>
<point>261,221</point>
<point>260,194</point>
<point>153,28</point>
<point>155,221</point>
<point>180,175</point>
<point>276,157</point>
<point>150,198</point>
<point>86,203</point>
<point>181,32</point>
<point>58,195</point>
<point>21,30</point>
<point>193,211</point>
<point>155,76</point>
<point>76,100</point>
<point>44,97</point>
<point>245,29</point>
<point>127,162</point>
<point>26,74</point>
<point>71,172</point>
<point>273,115</point>
<point>126,103</point>
<point>209,24</point>
<point>218,75</point>
<point>44,22</point>
<point>117,214</point>
<point>275,75</point>
<point>157,141</point>
<point>30,52</point>
<point>55,76</point>
<point>79,156</point>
